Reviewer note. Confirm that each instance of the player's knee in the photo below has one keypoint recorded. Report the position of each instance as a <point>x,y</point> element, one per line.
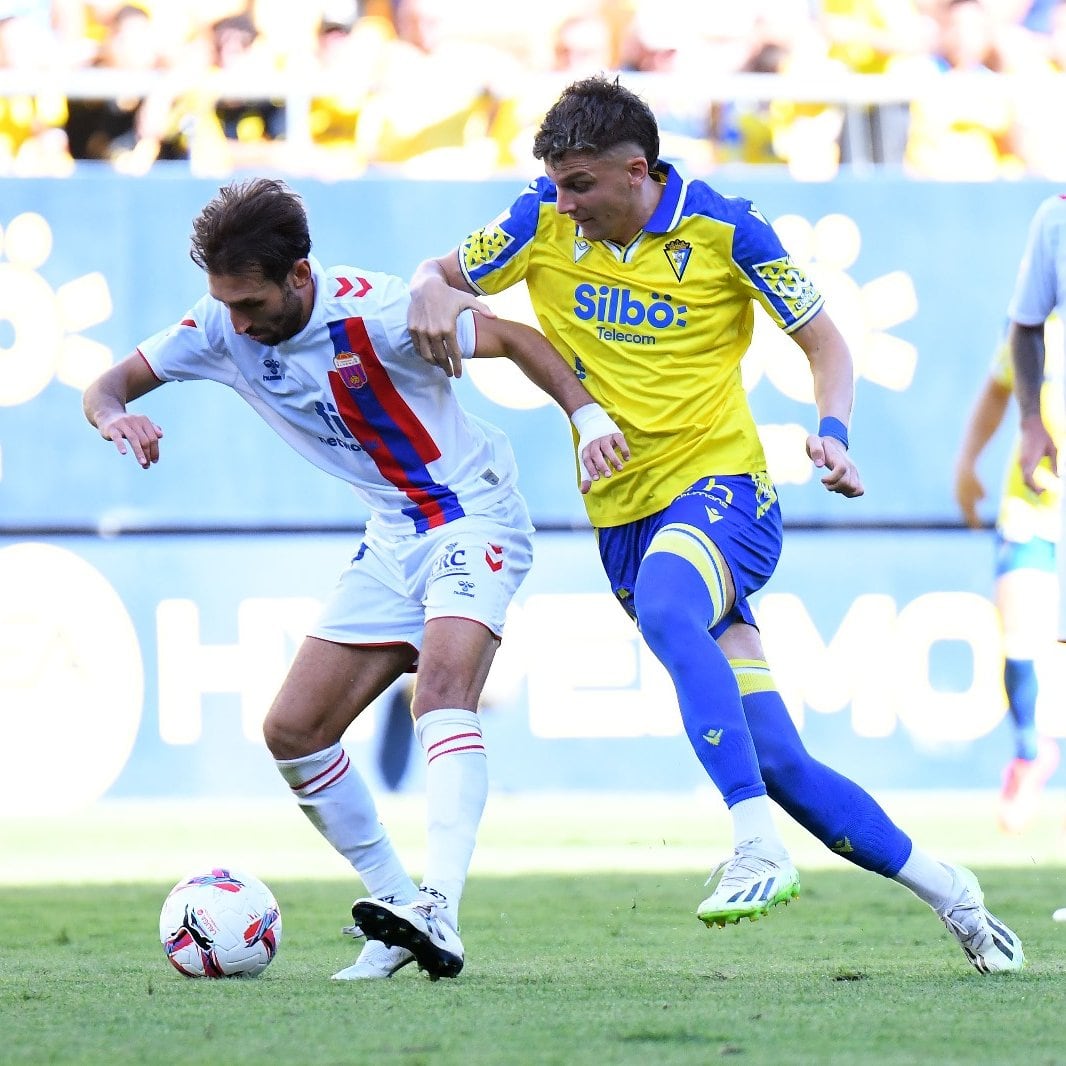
<point>278,735</point>
<point>665,603</point>
<point>653,615</point>
<point>440,689</point>
<point>287,736</point>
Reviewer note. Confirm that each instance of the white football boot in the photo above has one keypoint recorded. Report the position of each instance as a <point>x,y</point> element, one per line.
<point>752,881</point>
<point>417,927</point>
<point>989,945</point>
<point>376,962</point>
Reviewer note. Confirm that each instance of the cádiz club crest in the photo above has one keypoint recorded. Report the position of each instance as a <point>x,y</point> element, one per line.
<point>678,253</point>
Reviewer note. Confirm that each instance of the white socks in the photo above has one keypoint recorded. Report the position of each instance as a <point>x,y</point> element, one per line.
<point>929,879</point>
<point>753,820</point>
<point>338,804</point>
<point>457,785</point>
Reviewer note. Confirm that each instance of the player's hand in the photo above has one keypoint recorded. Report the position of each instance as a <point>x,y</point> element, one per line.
<point>969,492</point>
<point>139,431</point>
<point>1036,445</point>
<point>842,475</point>
<point>431,318</point>
<point>602,455</point>
<point>601,446</point>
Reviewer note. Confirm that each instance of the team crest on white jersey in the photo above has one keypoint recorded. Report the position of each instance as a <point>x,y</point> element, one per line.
<point>678,253</point>
<point>350,368</point>
<point>581,248</point>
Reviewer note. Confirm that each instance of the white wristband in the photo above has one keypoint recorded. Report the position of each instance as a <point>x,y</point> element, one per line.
<point>592,422</point>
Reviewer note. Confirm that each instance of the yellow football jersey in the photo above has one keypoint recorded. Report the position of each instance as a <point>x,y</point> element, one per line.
<point>1022,513</point>
<point>655,330</point>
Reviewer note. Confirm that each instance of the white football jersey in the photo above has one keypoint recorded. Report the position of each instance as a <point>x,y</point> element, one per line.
<point>1040,287</point>
<point>351,393</point>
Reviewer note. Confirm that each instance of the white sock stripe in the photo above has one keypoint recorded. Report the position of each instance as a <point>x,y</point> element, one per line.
<point>456,751</point>
<point>336,770</point>
<point>455,745</point>
<point>474,735</point>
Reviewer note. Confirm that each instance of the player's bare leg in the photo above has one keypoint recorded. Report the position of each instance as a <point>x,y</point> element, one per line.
<point>327,687</point>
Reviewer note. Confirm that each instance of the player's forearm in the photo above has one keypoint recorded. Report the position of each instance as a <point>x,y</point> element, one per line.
<point>429,271</point>
<point>105,398</point>
<point>534,355</point>
<point>1027,355</point>
<point>985,419</point>
<point>441,271</point>
<point>831,367</point>
<point>549,372</point>
<point>834,383</point>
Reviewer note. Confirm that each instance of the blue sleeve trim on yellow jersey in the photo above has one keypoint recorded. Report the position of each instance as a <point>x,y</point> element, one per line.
<point>754,241</point>
<point>519,224</point>
<point>545,190</point>
<point>701,199</point>
<point>759,253</point>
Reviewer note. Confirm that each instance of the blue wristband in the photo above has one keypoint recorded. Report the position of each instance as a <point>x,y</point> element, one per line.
<point>833,427</point>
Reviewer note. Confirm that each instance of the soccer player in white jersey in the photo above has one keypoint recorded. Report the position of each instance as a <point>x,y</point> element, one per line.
<point>325,358</point>
<point>1039,289</point>
<point>1028,532</point>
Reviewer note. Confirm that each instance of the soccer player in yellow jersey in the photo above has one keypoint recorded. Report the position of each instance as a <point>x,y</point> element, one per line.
<point>1028,531</point>
<point>646,283</point>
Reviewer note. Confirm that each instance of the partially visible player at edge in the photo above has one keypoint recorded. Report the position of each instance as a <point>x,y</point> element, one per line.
<point>324,356</point>
<point>647,284</point>
<point>1028,532</point>
<point>1039,289</point>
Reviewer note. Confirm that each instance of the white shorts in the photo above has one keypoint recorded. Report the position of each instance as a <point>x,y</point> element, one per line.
<point>469,568</point>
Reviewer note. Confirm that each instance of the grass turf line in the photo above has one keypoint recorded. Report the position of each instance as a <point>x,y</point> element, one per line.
<point>570,969</point>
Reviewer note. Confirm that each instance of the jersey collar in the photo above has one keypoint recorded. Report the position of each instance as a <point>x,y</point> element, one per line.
<point>668,212</point>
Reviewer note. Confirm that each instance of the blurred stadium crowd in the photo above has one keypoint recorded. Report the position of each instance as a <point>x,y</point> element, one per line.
<point>945,89</point>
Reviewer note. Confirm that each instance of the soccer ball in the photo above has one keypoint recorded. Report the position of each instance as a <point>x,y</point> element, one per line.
<point>220,923</point>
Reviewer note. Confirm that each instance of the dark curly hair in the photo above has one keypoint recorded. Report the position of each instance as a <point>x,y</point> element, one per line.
<point>595,115</point>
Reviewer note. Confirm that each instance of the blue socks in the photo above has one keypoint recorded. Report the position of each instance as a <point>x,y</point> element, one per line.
<point>740,729</point>
<point>843,816</point>
<point>1019,679</point>
<point>675,611</point>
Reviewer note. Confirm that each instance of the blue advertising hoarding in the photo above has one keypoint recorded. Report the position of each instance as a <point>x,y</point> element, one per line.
<point>142,666</point>
<point>147,661</point>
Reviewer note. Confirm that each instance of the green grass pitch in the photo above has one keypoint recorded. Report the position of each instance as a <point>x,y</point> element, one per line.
<point>582,946</point>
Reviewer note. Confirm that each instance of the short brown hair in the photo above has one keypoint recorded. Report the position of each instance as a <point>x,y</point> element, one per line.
<point>256,226</point>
